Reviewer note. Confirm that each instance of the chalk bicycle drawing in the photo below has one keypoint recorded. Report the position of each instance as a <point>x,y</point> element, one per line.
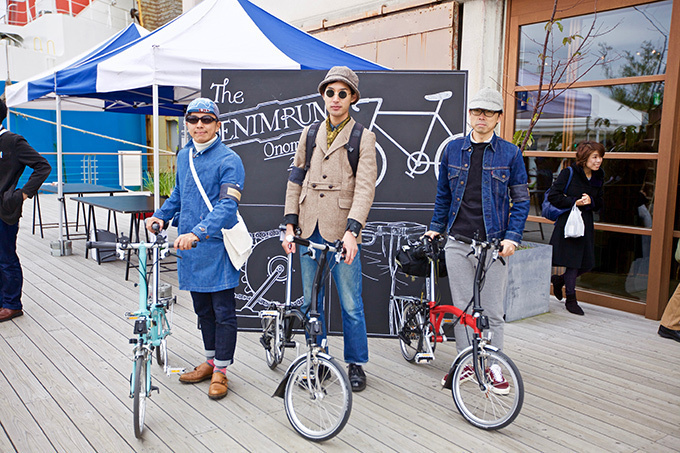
<point>418,162</point>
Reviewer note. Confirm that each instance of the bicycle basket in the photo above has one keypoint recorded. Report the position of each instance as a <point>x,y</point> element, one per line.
<point>412,260</point>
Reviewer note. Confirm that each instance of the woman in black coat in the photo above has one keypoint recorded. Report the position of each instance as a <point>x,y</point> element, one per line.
<point>585,190</point>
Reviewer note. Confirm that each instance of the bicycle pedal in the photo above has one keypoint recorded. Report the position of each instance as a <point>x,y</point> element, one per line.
<point>153,387</point>
<point>268,313</point>
<point>424,357</point>
<point>265,343</point>
<point>175,371</point>
<point>290,344</point>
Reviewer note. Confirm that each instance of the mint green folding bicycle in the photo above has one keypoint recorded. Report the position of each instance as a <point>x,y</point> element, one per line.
<point>153,320</point>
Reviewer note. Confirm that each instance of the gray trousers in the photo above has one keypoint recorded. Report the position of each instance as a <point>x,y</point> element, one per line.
<point>461,270</point>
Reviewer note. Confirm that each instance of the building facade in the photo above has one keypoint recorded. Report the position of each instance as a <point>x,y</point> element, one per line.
<point>619,88</point>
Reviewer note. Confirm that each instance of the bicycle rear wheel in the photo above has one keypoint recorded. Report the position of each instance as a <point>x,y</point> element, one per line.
<point>500,402</point>
<point>411,332</point>
<point>273,344</point>
<point>318,399</point>
<point>140,380</point>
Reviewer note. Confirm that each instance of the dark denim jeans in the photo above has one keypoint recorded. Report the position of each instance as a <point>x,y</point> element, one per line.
<point>217,315</point>
<point>347,279</point>
<point>11,277</point>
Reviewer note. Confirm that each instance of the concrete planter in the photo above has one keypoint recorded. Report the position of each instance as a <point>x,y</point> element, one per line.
<point>528,291</point>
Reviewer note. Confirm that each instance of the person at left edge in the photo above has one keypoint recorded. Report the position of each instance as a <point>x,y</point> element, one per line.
<point>15,155</point>
<point>206,270</point>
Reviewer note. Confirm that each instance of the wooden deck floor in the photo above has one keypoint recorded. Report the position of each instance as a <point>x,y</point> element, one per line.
<point>602,382</point>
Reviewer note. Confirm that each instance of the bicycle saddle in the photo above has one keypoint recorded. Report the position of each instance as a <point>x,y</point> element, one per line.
<point>438,96</point>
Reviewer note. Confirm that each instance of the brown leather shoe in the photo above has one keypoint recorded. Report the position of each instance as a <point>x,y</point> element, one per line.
<point>200,374</point>
<point>218,386</point>
<point>7,313</point>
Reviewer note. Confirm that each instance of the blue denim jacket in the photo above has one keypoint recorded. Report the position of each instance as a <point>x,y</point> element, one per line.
<point>207,267</point>
<point>504,180</point>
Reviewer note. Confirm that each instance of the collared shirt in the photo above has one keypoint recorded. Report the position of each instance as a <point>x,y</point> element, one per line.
<point>333,131</point>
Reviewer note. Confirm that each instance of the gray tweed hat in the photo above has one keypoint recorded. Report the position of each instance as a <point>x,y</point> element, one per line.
<point>341,74</point>
<point>487,99</point>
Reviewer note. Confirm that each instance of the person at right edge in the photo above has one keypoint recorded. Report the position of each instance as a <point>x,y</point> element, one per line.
<point>483,194</point>
<point>585,191</point>
<point>328,202</point>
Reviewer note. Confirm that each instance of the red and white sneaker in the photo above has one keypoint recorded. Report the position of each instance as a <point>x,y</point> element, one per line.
<point>498,383</point>
<point>467,374</point>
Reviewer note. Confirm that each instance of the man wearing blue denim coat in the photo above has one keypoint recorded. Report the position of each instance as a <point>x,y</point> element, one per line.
<point>206,270</point>
<point>482,193</point>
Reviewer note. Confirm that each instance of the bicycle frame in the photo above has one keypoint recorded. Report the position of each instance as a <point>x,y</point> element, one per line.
<point>436,313</point>
<point>312,324</point>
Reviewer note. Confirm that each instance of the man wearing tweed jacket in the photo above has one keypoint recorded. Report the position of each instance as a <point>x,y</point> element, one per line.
<point>330,202</point>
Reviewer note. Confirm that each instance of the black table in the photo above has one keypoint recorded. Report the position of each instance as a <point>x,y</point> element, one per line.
<point>79,189</point>
<point>138,206</point>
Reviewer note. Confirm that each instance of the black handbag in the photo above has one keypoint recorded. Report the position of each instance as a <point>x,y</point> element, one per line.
<point>549,210</point>
<point>413,260</point>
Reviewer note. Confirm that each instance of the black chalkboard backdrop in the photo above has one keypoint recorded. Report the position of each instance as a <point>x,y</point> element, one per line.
<point>413,114</point>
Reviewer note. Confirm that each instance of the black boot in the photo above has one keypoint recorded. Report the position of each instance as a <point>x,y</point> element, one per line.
<point>572,305</point>
<point>558,283</point>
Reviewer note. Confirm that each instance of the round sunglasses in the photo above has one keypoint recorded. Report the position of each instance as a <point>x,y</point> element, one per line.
<point>193,119</point>
<point>342,94</point>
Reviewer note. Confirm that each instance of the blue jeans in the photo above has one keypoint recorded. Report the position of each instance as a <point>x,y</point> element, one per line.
<point>217,315</point>
<point>347,279</point>
<point>11,277</point>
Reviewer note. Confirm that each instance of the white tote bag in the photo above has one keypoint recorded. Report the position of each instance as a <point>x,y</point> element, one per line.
<point>237,240</point>
<point>574,228</point>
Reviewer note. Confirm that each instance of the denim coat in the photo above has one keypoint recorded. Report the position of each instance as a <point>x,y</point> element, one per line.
<point>205,268</point>
<point>504,180</point>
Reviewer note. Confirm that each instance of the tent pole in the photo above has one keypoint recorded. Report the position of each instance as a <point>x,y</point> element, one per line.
<point>156,137</point>
<point>62,248</point>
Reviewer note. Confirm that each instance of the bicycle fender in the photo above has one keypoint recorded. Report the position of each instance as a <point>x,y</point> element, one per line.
<point>281,389</point>
<point>459,357</point>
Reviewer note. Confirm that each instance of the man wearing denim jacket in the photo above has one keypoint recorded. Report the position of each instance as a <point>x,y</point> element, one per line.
<point>206,270</point>
<point>482,193</point>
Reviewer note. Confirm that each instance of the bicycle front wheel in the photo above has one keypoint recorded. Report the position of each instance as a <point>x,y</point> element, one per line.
<point>500,401</point>
<point>318,399</point>
<point>140,381</point>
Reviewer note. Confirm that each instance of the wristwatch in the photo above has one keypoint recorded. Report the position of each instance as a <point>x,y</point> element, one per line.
<point>354,233</point>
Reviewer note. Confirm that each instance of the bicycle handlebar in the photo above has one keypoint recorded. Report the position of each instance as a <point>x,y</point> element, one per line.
<point>494,243</point>
<point>337,247</point>
<point>129,245</point>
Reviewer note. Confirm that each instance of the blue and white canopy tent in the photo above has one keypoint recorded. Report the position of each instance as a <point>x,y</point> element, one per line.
<point>161,72</point>
<point>42,89</point>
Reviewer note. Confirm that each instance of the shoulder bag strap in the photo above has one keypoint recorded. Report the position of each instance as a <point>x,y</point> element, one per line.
<point>198,183</point>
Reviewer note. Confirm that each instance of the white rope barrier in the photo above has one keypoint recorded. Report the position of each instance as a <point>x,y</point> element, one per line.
<point>25,115</point>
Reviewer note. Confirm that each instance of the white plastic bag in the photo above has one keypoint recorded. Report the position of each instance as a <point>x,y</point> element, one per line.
<point>574,228</point>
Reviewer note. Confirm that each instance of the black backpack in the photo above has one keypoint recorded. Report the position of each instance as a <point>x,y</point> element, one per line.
<point>352,145</point>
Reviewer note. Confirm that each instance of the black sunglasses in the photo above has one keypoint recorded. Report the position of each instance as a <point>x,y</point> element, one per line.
<point>341,94</point>
<point>193,119</point>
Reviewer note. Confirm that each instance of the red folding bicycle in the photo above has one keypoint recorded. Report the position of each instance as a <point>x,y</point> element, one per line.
<point>486,385</point>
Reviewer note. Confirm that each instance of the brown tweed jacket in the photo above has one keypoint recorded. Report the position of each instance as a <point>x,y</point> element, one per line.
<point>330,193</point>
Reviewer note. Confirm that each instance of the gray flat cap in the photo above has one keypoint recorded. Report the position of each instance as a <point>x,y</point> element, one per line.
<point>487,99</point>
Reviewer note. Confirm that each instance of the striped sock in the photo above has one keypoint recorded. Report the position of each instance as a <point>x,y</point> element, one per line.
<point>211,362</point>
<point>221,370</point>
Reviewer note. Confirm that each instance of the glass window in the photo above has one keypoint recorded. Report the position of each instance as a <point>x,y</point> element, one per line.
<point>621,261</point>
<point>625,118</point>
<point>628,191</point>
<point>623,43</point>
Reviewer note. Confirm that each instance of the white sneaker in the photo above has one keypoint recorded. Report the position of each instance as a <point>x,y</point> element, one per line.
<point>498,383</point>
